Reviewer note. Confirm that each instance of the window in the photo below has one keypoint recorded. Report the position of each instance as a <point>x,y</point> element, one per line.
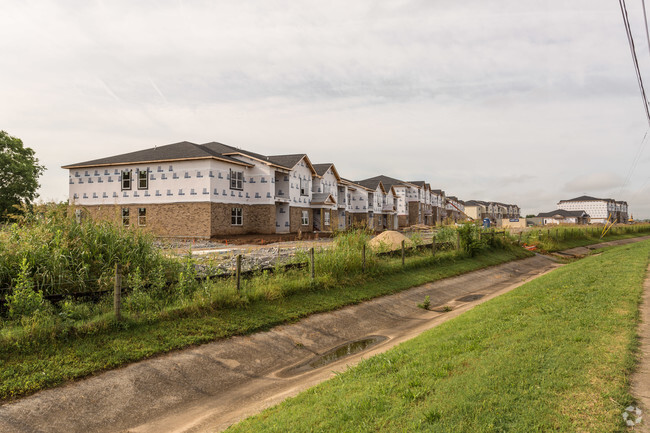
<point>143,179</point>
<point>142,216</point>
<point>236,216</point>
<point>236,179</point>
<point>304,187</point>
<point>126,179</point>
<point>125,216</point>
<point>305,218</point>
<point>326,217</point>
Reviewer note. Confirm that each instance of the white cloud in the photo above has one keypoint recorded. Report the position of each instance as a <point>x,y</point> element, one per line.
<point>591,184</point>
<point>503,100</point>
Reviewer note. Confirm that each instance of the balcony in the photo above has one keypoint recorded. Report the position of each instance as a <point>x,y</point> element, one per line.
<point>282,187</point>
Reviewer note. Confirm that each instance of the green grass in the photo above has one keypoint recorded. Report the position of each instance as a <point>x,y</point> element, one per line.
<point>552,355</point>
<point>48,356</point>
<point>564,237</point>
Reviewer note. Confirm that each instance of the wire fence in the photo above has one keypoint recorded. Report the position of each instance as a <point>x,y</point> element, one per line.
<point>246,265</point>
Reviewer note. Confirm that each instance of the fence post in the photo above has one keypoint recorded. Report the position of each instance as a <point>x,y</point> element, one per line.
<point>402,253</point>
<point>433,247</point>
<point>238,272</point>
<point>457,240</point>
<point>520,233</point>
<point>117,293</point>
<point>311,256</point>
<point>363,258</point>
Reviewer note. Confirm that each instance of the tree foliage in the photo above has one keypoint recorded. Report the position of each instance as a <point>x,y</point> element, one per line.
<point>19,173</point>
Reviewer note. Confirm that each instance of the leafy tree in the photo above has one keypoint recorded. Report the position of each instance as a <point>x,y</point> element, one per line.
<point>19,173</point>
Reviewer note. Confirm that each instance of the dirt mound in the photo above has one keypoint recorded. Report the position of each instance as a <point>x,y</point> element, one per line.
<point>389,240</point>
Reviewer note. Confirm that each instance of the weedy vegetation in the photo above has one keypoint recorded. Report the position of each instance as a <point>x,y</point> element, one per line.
<point>50,334</point>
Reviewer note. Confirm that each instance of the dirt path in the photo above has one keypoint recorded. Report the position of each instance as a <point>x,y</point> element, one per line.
<point>640,381</point>
<point>215,385</point>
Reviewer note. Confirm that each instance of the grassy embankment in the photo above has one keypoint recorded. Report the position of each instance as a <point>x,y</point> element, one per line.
<point>565,237</point>
<point>552,355</point>
<point>42,345</point>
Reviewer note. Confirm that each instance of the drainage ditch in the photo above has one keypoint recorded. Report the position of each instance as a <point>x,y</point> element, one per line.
<point>470,298</point>
<point>332,355</point>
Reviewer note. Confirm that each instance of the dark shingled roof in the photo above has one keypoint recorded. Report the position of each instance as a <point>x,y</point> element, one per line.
<point>169,152</point>
<point>187,150</point>
<point>318,198</point>
<point>388,182</point>
<point>564,213</point>
<point>486,203</point>
<point>322,168</point>
<point>372,183</point>
<point>353,183</point>
<point>422,184</point>
<point>288,161</point>
<point>586,198</point>
<point>215,146</point>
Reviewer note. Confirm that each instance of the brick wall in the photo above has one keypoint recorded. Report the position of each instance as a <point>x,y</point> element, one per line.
<point>360,220</point>
<point>414,212</point>
<point>378,222</point>
<point>403,220</point>
<point>199,220</point>
<point>255,219</point>
<point>295,219</point>
<point>172,219</point>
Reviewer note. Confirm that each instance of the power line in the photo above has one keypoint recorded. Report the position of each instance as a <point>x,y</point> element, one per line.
<point>630,40</point>
<point>645,21</point>
<point>635,161</point>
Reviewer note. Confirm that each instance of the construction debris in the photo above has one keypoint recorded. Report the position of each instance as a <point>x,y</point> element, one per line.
<point>389,241</point>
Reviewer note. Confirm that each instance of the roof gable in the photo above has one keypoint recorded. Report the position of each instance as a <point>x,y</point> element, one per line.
<point>322,168</point>
<point>322,198</point>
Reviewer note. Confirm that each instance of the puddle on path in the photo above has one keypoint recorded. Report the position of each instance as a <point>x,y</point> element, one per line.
<point>470,298</point>
<point>340,352</point>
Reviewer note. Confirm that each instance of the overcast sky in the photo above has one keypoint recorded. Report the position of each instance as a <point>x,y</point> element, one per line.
<point>522,101</point>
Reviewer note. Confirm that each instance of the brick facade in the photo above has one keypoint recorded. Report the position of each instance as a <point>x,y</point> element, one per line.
<point>414,212</point>
<point>377,218</point>
<point>360,220</point>
<point>295,220</point>
<point>183,220</point>
<point>255,219</point>
<point>191,220</point>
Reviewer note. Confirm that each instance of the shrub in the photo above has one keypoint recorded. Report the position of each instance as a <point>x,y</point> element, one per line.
<point>426,304</point>
<point>24,301</point>
<point>187,277</point>
<point>65,256</point>
<point>345,256</point>
<point>70,310</point>
<point>138,299</point>
<point>469,239</point>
